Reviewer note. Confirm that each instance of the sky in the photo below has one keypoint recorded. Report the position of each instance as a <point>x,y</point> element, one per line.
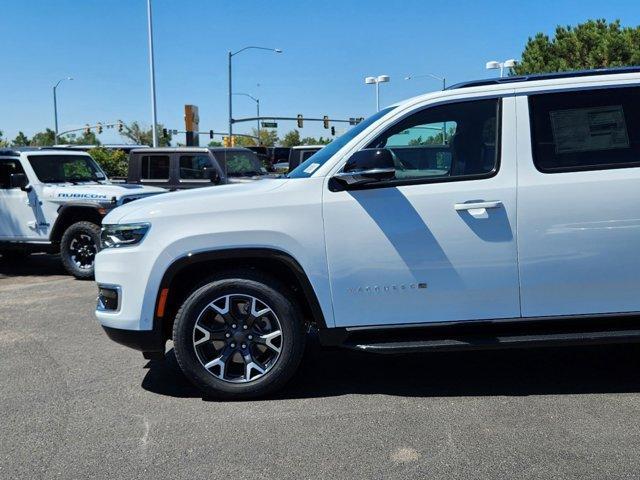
<point>328,49</point>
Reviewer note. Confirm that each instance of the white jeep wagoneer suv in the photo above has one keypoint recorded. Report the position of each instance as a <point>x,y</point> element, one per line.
<point>495,213</point>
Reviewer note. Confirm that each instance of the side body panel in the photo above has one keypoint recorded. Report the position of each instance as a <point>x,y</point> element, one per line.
<point>405,254</point>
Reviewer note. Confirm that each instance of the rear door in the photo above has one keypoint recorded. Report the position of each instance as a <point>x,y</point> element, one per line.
<point>155,169</point>
<point>579,202</point>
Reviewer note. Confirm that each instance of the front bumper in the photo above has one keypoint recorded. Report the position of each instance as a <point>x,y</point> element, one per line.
<point>150,342</point>
<point>131,273</point>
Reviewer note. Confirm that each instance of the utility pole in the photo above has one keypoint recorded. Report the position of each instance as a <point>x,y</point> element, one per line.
<point>152,72</point>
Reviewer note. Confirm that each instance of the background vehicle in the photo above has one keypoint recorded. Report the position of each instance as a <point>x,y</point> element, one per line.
<point>263,156</point>
<point>191,167</point>
<point>54,201</point>
<point>402,235</point>
<point>278,156</point>
<point>300,154</point>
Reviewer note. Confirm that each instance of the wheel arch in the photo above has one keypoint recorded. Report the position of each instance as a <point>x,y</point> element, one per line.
<point>190,271</point>
<point>69,214</point>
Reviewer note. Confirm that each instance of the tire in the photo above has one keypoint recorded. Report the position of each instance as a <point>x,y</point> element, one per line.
<point>233,376</point>
<point>79,245</point>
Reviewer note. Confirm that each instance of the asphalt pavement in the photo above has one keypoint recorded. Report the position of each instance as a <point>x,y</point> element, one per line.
<point>73,404</point>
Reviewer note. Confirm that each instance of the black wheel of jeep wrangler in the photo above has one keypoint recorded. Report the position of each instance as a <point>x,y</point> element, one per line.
<point>239,337</point>
<point>78,248</point>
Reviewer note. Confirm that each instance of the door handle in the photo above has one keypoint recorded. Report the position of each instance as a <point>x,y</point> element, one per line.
<point>477,205</point>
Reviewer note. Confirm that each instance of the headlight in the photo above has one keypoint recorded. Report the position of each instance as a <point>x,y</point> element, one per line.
<point>124,235</point>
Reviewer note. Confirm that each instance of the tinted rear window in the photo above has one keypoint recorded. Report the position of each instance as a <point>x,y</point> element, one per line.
<point>586,130</point>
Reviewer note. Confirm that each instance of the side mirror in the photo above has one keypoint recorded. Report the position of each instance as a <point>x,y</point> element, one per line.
<point>213,175</point>
<point>19,180</point>
<point>367,166</point>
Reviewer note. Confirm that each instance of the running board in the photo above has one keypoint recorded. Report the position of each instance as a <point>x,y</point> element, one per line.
<point>479,342</point>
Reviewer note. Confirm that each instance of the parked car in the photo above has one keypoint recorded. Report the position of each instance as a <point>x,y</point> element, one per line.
<point>191,167</point>
<point>496,213</point>
<point>53,200</point>
<point>263,156</point>
<point>279,155</point>
<point>300,154</point>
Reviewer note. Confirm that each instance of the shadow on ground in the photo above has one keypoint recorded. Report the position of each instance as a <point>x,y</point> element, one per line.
<point>325,373</point>
<point>40,264</point>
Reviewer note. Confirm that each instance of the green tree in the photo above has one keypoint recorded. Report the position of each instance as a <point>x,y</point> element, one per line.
<point>315,141</point>
<point>592,44</point>
<point>214,143</point>
<point>291,139</point>
<point>136,133</point>
<point>115,163</point>
<point>268,138</point>
<point>43,139</point>
<point>87,139</point>
<point>21,140</point>
<point>3,143</point>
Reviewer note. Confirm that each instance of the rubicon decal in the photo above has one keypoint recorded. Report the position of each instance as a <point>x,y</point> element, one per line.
<point>92,196</point>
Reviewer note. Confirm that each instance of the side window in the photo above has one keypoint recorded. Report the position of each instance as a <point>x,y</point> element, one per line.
<point>7,168</point>
<point>192,167</point>
<point>587,130</point>
<point>453,140</point>
<point>154,167</point>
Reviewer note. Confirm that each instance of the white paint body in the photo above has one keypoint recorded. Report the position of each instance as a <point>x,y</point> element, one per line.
<point>29,217</point>
<point>560,244</point>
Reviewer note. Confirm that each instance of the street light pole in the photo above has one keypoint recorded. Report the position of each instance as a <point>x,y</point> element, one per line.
<point>430,75</point>
<point>377,81</point>
<point>152,73</point>
<point>230,56</point>
<point>55,108</point>
<point>257,100</point>
<point>493,65</point>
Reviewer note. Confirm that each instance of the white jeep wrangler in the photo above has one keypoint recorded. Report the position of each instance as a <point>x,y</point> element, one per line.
<point>53,200</point>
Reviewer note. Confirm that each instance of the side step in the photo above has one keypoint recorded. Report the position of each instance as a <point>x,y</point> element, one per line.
<point>486,343</point>
<point>487,334</point>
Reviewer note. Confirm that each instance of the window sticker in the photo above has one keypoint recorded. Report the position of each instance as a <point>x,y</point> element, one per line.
<point>591,128</point>
<point>311,168</point>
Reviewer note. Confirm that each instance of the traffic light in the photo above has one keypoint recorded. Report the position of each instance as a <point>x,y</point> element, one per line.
<point>87,129</point>
<point>211,134</point>
<point>333,131</point>
<point>164,132</point>
<point>226,142</point>
<point>120,126</point>
<point>99,128</point>
<point>300,120</point>
<point>325,121</point>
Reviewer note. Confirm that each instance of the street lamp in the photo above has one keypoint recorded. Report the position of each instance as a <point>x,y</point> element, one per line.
<point>257,100</point>
<point>152,74</point>
<point>55,108</point>
<point>493,65</point>
<point>431,75</point>
<point>231,55</point>
<point>377,81</point>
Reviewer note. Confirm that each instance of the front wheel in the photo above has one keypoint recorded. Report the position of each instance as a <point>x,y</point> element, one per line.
<point>239,337</point>
<point>78,248</point>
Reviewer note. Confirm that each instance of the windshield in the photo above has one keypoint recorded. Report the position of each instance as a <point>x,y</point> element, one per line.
<point>315,161</point>
<point>66,168</point>
<point>241,164</point>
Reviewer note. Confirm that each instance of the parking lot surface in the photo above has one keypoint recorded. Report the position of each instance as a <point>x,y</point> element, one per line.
<point>76,405</point>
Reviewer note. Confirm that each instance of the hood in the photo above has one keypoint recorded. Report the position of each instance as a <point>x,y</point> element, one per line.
<point>219,196</point>
<point>92,192</point>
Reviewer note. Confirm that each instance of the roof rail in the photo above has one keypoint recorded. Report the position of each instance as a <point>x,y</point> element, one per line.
<point>545,76</point>
<point>9,152</point>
